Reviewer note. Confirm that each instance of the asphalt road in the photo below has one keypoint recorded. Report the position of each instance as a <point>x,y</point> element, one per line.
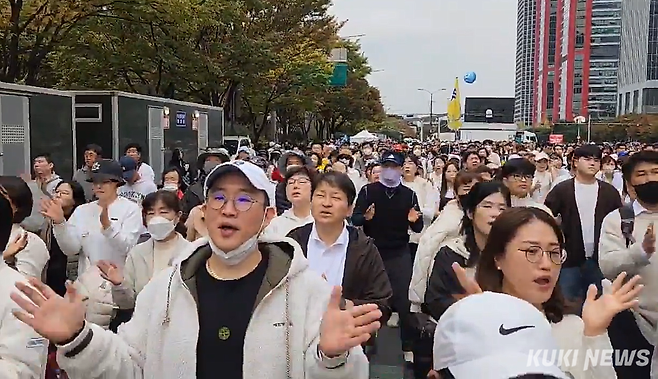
<point>388,362</point>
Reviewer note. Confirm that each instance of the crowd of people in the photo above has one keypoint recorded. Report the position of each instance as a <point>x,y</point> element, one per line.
<point>285,262</point>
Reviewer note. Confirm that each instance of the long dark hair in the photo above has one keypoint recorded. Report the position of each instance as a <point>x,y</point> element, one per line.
<point>479,192</point>
<point>444,182</point>
<point>77,192</point>
<point>6,220</point>
<point>503,230</point>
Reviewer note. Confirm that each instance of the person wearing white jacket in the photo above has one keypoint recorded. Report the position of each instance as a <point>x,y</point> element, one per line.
<point>282,320</point>
<point>299,182</point>
<point>523,258</point>
<point>32,260</point>
<point>23,352</point>
<point>427,197</point>
<point>162,211</point>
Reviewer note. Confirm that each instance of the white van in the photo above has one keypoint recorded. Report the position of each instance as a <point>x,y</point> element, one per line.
<point>233,143</point>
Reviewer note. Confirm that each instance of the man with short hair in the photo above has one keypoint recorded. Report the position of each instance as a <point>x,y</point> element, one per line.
<point>46,178</point>
<point>134,151</point>
<point>134,189</point>
<point>234,302</point>
<point>93,153</point>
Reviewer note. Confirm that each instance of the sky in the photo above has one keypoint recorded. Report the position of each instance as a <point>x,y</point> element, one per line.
<point>427,43</point>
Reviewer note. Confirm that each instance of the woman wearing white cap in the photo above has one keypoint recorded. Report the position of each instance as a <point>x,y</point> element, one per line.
<point>523,258</point>
<point>235,305</point>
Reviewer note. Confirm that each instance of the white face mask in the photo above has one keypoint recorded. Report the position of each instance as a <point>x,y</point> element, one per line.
<point>170,187</point>
<point>240,253</point>
<point>160,228</point>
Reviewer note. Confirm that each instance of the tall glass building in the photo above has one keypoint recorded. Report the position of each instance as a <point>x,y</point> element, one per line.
<point>526,17</point>
<point>638,61</point>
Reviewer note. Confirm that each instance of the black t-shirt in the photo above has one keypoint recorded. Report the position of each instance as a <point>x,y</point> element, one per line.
<point>225,309</point>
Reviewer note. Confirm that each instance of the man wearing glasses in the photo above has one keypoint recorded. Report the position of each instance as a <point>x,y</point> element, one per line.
<point>237,303</point>
<point>517,174</point>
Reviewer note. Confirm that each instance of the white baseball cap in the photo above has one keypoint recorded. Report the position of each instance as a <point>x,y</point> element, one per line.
<point>541,155</point>
<point>254,174</point>
<point>493,336</point>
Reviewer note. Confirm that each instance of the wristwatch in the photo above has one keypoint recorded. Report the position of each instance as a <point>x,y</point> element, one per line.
<point>335,362</point>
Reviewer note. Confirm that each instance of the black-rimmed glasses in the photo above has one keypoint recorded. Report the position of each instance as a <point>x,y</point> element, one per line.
<point>241,203</point>
<point>534,254</point>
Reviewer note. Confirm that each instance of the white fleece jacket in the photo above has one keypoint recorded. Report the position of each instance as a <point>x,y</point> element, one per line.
<point>445,227</point>
<point>32,260</point>
<point>427,199</point>
<point>23,352</point>
<point>160,341</point>
<point>281,225</point>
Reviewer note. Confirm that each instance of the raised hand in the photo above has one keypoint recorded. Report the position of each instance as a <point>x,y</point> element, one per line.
<point>16,246</point>
<point>598,313</point>
<point>105,217</point>
<point>56,318</point>
<point>370,212</point>
<point>111,272</point>
<point>467,282</point>
<point>413,215</point>
<point>52,210</point>
<point>342,330</point>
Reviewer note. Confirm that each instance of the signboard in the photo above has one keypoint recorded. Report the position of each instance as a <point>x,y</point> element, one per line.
<point>181,119</point>
<point>556,138</point>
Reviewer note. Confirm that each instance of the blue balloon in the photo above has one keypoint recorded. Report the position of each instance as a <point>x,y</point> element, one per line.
<point>470,77</point>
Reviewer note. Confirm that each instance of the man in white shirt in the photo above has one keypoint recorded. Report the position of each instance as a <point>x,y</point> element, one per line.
<point>134,188</point>
<point>134,150</point>
<point>105,229</point>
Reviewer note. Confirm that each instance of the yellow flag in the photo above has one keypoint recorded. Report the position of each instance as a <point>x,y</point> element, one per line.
<point>455,108</point>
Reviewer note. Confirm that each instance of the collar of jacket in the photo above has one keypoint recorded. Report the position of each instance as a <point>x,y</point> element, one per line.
<point>280,264</point>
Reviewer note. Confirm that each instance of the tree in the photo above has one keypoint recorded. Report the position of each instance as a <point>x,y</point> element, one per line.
<point>30,30</point>
<point>344,107</point>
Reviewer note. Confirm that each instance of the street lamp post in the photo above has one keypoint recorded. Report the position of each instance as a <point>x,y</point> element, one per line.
<point>431,109</point>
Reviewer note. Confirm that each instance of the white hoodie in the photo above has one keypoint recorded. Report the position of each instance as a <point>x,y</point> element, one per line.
<point>160,341</point>
<point>280,226</point>
<point>23,352</point>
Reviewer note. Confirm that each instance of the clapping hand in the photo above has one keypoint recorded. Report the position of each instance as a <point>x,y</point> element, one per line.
<point>413,215</point>
<point>470,286</point>
<point>52,210</point>
<point>105,217</point>
<point>59,319</point>
<point>342,330</point>
<point>15,247</point>
<point>110,272</point>
<point>598,313</point>
<point>370,212</point>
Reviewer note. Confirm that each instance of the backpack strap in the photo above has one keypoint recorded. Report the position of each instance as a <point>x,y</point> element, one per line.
<point>627,223</point>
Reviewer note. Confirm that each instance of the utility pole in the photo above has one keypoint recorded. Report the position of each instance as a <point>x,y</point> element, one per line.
<point>431,109</point>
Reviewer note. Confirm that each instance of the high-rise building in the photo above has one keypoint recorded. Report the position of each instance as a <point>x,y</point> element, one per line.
<point>526,17</point>
<point>578,56</point>
<point>638,61</point>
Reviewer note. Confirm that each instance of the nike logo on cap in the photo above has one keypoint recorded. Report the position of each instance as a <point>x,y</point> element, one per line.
<point>505,332</point>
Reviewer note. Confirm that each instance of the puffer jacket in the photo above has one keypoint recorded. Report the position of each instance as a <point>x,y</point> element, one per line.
<point>445,227</point>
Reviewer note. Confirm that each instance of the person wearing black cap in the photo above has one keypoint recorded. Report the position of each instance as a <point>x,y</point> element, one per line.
<point>105,229</point>
<point>209,159</point>
<point>235,306</point>
<point>387,210</point>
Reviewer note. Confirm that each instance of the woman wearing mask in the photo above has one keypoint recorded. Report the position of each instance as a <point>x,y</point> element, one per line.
<point>427,198</point>
<point>172,181</point>
<point>60,268</point>
<point>523,258</point>
<point>482,205</point>
<point>32,260</point>
<point>610,173</point>
<point>161,214</point>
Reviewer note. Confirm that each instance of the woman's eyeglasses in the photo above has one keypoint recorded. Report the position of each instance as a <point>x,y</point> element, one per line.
<point>535,253</point>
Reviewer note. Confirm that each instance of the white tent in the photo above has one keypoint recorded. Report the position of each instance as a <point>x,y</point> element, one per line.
<point>363,136</point>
